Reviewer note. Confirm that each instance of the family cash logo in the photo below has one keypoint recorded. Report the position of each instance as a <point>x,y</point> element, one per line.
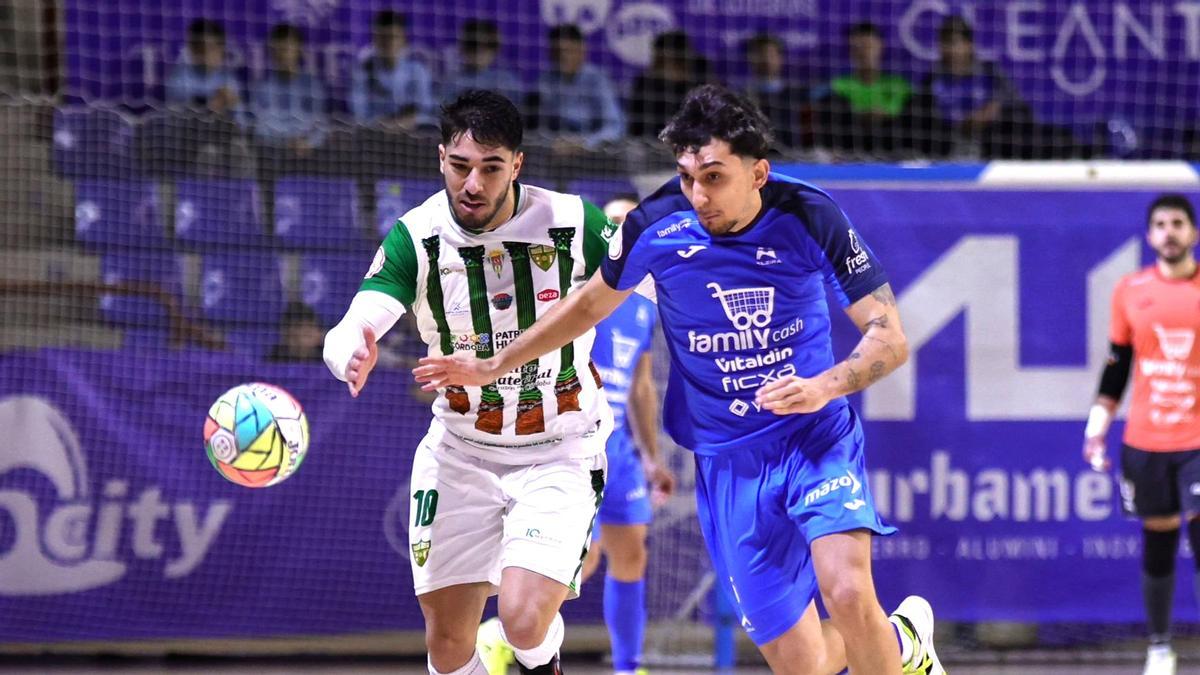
<point>66,536</point>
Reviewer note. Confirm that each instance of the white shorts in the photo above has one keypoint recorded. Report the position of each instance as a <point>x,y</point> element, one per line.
<point>470,518</point>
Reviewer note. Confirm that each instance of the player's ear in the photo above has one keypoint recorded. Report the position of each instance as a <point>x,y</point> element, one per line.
<point>442,158</point>
<point>518,162</point>
<point>762,168</point>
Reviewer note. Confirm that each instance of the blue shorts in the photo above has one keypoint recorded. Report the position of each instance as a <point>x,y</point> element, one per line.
<point>626,495</point>
<point>761,506</point>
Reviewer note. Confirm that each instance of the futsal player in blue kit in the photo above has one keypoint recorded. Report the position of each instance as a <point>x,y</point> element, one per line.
<point>740,258</point>
<point>637,477</point>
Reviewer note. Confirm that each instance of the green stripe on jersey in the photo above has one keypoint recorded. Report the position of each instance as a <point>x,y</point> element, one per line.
<point>562,238</point>
<point>394,270</point>
<point>433,292</point>
<point>531,416</point>
<point>481,317</point>
<point>518,253</point>
<point>566,386</point>
<point>597,230</point>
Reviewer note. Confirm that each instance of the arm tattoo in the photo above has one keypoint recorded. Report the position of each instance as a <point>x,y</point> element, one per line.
<point>852,378</point>
<point>877,371</point>
<point>884,295</point>
<point>878,322</point>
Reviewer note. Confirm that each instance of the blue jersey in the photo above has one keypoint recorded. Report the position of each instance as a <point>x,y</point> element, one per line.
<point>621,339</point>
<point>741,310</point>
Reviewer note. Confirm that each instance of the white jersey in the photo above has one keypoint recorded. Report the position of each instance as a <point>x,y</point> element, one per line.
<point>477,292</point>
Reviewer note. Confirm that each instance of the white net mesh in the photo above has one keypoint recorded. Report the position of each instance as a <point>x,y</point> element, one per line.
<point>198,173</point>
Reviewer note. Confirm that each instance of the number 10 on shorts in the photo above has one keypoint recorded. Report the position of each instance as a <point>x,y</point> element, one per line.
<point>425,507</point>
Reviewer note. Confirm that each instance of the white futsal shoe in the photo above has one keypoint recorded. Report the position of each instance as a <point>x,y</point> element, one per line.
<point>914,618</point>
<point>1160,660</point>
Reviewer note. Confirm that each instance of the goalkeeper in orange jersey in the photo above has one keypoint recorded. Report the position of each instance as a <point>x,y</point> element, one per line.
<point>1155,319</point>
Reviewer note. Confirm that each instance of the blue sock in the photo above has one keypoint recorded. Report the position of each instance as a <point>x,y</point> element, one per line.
<point>625,615</point>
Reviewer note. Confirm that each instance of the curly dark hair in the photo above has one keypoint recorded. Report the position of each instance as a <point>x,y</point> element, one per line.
<point>1172,201</point>
<point>715,112</point>
<point>491,118</point>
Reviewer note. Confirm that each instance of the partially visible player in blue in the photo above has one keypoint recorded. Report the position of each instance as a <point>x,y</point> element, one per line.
<point>637,478</point>
<point>740,258</point>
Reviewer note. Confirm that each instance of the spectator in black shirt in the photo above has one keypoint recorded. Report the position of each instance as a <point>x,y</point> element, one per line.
<point>301,335</point>
<point>658,91</point>
<point>779,98</point>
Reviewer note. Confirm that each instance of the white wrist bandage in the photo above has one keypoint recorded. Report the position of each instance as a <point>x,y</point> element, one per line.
<point>369,309</point>
<point>1099,418</point>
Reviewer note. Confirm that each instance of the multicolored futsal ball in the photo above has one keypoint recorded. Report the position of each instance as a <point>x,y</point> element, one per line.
<point>256,434</point>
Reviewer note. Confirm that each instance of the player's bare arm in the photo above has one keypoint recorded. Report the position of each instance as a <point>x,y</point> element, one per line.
<point>569,319</point>
<point>643,408</point>
<point>882,349</point>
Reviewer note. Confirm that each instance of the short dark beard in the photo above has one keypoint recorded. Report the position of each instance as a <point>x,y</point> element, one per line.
<point>734,226</point>
<point>487,221</point>
<point>1175,260</point>
<point>730,226</point>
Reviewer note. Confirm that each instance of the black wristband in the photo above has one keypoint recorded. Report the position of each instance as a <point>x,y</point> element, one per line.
<point>1116,372</point>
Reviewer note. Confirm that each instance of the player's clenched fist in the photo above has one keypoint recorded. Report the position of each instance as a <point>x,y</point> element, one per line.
<point>790,395</point>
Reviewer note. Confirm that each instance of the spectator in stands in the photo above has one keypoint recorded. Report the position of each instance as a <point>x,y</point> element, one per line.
<point>675,68</point>
<point>478,47</point>
<point>389,85</point>
<point>576,102</point>
<point>969,105</point>
<point>778,98</point>
<point>863,110</point>
<point>288,104</point>
<point>970,94</point>
<point>300,335</point>
<point>201,79</point>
